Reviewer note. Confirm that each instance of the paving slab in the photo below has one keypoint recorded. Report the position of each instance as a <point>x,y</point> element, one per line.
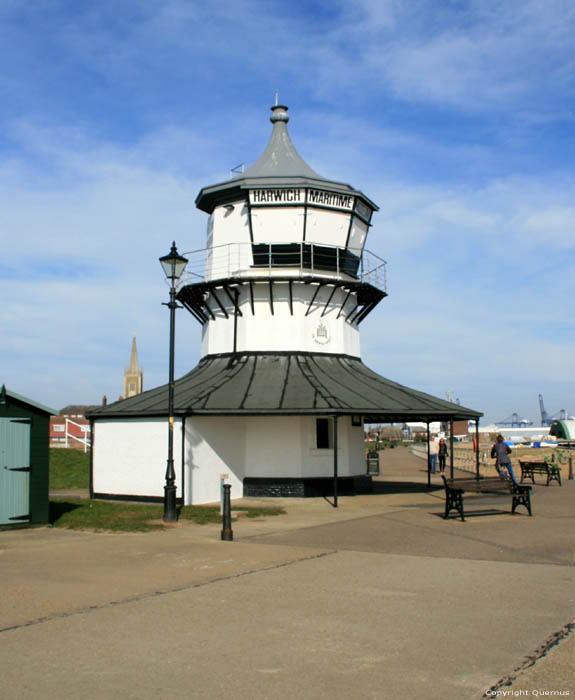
<point>379,598</point>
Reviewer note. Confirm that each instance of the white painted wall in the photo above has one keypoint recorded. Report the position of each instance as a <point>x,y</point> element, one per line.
<point>263,447</point>
<point>277,225</point>
<point>326,227</point>
<point>357,236</point>
<point>229,223</point>
<point>263,331</point>
<point>129,456</point>
<point>214,446</point>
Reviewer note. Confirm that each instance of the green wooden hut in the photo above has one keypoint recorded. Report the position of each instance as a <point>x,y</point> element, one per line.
<point>24,460</point>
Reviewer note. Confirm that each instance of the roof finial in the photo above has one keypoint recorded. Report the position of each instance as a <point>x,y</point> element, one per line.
<point>277,97</point>
<point>279,113</point>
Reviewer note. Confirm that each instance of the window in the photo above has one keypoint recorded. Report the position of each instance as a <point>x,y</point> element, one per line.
<point>58,428</point>
<point>323,433</point>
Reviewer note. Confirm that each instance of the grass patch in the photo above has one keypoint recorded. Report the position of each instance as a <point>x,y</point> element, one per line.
<point>83,514</point>
<point>69,469</point>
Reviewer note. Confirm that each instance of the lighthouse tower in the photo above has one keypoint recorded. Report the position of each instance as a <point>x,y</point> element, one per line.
<point>285,269</point>
<point>277,403</point>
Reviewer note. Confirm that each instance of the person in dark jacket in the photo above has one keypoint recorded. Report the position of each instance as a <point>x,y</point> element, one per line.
<point>500,453</point>
<point>442,454</point>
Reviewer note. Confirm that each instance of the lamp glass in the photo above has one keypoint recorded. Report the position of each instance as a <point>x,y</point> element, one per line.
<point>173,264</point>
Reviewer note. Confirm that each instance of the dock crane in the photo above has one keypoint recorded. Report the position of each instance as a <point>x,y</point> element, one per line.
<point>546,419</point>
<point>515,421</point>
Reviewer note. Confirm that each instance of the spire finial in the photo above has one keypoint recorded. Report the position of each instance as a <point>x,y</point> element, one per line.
<point>279,112</point>
<point>277,97</point>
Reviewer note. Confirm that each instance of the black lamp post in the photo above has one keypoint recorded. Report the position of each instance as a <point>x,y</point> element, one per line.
<point>173,265</point>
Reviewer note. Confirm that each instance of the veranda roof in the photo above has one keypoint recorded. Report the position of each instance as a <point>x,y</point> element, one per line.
<point>273,384</point>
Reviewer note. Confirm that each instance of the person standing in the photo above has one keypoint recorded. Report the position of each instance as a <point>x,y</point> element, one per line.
<point>433,451</point>
<point>500,453</point>
<point>442,455</point>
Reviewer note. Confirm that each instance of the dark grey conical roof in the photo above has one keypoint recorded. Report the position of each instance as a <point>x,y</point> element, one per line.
<point>280,157</point>
<point>274,384</point>
<point>280,165</point>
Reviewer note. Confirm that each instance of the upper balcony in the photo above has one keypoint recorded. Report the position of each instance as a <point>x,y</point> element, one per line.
<point>249,261</point>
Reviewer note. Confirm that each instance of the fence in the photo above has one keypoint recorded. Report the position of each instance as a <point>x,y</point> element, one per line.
<point>69,436</point>
<point>464,458</point>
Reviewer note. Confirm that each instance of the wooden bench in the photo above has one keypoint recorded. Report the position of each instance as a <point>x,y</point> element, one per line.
<point>529,469</point>
<point>493,486</point>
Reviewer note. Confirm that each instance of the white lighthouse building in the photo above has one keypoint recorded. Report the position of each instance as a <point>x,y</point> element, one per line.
<point>280,395</point>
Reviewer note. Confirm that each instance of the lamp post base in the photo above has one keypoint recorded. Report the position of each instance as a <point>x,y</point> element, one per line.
<point>170,512</point>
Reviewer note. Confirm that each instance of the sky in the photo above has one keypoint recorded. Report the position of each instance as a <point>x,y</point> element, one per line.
<point>456,117</point>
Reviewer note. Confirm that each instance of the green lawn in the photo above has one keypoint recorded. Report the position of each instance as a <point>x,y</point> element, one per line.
<point>84,514</point>
<point>69,469</point>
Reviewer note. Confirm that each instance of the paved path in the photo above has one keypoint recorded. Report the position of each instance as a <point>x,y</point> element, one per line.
<point>380,598</point>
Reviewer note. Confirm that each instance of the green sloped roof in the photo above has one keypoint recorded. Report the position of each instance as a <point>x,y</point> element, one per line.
<point>287,384</point>
<point>4,392</point>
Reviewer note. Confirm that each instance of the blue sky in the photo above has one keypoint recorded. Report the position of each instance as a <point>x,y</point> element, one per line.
<point>457,118</point>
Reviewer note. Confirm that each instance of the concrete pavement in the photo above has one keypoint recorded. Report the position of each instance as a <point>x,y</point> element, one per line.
<point>380,598</point>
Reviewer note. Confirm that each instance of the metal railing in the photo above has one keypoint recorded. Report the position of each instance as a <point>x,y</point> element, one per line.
<point>464,459</point>
<point>237,260</point>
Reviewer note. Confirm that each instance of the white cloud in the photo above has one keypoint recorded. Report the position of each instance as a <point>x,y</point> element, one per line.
<point>554,226</point>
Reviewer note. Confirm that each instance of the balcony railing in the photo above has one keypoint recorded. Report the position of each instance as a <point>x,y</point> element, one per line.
<point>247,260</point>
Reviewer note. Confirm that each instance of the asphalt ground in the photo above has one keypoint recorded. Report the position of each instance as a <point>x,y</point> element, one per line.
<point>379,598</point>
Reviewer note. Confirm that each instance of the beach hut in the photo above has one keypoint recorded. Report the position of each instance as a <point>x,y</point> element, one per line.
<point>24,460</point>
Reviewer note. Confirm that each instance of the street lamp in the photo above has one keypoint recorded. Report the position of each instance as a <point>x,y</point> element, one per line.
<point>173,265</point>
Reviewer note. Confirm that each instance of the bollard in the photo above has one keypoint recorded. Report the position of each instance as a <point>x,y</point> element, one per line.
<point>227,534</point>
<point>570,468</point>
<point>223,478</point>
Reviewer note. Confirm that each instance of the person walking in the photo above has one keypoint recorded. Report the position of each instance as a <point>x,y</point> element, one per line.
<point>433,451</point>
<point>442,455</point>
<point>500,453</point>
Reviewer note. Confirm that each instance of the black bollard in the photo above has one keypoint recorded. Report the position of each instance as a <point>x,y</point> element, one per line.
<point>570,468</point>
<point>227,533</point>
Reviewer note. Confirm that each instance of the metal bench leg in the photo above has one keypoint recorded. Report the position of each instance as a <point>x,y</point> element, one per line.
<point>454,501</point>
<point>521,497</point>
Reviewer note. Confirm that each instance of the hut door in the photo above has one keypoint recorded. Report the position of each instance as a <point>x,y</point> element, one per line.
<point>14,470</point>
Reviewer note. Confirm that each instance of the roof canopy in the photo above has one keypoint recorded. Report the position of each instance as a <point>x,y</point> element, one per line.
<point>279,165</point>
<point>273,384</point>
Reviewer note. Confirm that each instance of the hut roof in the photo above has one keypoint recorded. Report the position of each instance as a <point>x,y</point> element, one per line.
<point>288,383</point>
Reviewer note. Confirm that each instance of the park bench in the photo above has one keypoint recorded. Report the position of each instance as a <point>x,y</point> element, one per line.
<point>493,486</point>
<point>529,469</point>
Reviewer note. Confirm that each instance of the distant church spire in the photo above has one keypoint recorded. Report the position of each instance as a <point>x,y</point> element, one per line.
<point>133,376</point>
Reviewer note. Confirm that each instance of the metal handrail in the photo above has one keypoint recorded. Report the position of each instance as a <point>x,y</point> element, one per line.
<point>265,259</point>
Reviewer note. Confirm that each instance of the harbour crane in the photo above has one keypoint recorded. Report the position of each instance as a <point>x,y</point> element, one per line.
<point>515,421</point>
<point>546,419</point>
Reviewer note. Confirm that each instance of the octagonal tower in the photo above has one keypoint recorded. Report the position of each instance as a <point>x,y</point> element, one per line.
<point>285,267</point>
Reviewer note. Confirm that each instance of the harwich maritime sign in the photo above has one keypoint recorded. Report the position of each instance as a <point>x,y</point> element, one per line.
<point>301,195</point>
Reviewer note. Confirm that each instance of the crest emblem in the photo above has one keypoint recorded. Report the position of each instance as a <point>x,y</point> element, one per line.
<point>321,334</point>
